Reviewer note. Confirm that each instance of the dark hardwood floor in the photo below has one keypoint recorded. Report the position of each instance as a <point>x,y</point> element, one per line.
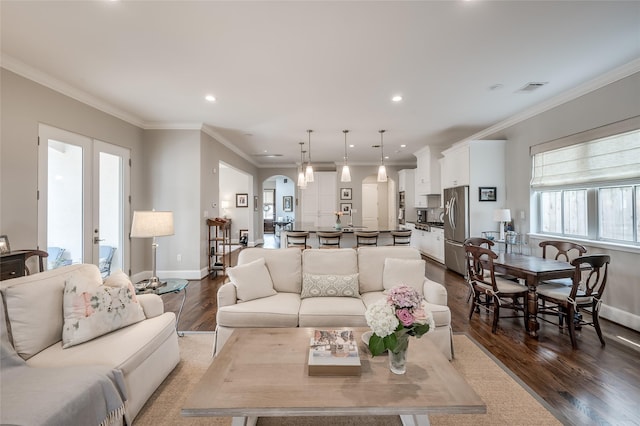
<point>588,386</point>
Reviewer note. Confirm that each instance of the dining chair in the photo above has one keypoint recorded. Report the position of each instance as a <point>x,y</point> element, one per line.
<point>498,292</point>
<point>401,238</point>
<point>585,294</point>
<point>366,238</point>
<point>297,239</point>
<point>329,240</point>
<point>564,251</point>
<point>486,243</point>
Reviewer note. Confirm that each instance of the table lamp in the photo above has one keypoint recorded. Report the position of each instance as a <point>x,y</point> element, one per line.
<point>502,216</point>
<point>152,224</point>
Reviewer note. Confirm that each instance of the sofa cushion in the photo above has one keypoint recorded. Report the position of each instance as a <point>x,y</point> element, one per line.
<point>285,266</point>
<point>335,261</point>
<point>332,312</point>
<point>316,285</point>
<point>252,280</point>
<point>403,271</point>
<point>91,309</point>
<point>280,310</point>
<point>34,308</point>
<point>124,349</point>
<point>371,264</point>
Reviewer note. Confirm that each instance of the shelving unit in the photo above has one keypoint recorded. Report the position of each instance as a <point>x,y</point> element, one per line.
<point>219,245</point>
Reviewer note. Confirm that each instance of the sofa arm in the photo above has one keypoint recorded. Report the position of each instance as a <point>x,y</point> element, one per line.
<point>152,305</point>
<point>434,292</point>
<point>227,295</point>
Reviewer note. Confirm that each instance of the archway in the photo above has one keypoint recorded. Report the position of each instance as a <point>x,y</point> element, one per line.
<point>278,204</point>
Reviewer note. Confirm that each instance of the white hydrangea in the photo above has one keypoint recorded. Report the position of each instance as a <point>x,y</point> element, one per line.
<point>381,318</point>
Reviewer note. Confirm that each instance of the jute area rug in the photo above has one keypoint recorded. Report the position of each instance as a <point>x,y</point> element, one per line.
<point>508,401</point>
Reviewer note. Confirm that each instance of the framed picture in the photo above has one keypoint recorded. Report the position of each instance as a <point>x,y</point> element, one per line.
<point>242,200</point>
<point>243,238</point>
<point>4,244</point>
<point>255,203</point>
<point>345,208</point>
<point>487,193</point>
<point>287,203</point>
<point>345,193</point>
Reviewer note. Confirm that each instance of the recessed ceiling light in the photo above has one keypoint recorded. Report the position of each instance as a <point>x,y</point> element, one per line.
<point>210,98</point>
<point>403,146</point>
<point>386,157</point>
<point>396,98</point>
<point>352,146</point>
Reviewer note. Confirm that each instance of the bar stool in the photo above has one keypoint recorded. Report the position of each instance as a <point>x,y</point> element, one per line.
<point>366,238</point>
<point>329,240</point>
<point>297,239</point>
<point>401,238</point>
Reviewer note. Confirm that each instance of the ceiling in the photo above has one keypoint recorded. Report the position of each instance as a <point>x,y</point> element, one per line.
<point>280,68</point>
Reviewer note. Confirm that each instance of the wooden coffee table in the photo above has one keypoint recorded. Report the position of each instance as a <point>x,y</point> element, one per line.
<point>263,372</point>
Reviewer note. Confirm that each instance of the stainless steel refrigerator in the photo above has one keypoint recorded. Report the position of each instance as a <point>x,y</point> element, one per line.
<point>456,227</point>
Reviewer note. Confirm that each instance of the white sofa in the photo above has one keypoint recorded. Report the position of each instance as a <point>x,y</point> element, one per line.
<point>286,308</point>
<point>142,354</point>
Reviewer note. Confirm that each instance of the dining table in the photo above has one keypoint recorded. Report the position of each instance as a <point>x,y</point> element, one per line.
<point>532,270</point>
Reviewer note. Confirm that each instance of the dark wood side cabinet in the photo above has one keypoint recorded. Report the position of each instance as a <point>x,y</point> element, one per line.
<point>12,264</point>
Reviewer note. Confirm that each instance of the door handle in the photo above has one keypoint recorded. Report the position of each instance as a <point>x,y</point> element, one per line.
<point>96,240</point>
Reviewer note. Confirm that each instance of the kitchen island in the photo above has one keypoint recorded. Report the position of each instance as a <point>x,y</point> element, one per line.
<point>347,240</point>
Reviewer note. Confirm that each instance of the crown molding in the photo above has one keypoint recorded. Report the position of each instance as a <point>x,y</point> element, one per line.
<point>224,141</point>
<point>12,64</point>
<point>571,94</point>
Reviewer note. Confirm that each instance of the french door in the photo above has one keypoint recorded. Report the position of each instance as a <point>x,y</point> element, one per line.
<point>83,203</point>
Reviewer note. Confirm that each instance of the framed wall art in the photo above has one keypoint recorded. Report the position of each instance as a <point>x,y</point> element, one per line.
<point>287,203</point>
<point>345,193</point>
<point>242,200</point>
<point>345,208</point>
<point>487,193</point>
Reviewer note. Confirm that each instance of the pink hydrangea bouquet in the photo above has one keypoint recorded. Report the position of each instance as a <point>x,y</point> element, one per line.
<point>393,320</point>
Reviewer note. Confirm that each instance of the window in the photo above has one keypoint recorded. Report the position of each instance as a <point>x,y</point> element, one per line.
<point>589,189</point>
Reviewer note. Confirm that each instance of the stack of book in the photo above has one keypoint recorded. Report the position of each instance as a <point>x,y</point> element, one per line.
<point>334,353</point>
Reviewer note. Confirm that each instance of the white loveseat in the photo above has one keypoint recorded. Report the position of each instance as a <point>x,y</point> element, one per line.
<point>286,308</point>
<point>141,355</point>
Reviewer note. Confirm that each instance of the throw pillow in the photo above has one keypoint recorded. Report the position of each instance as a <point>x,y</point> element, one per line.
<point>91,309</point>
<point>252,280</point>
<point>403,271</point>
<point>315,285</point>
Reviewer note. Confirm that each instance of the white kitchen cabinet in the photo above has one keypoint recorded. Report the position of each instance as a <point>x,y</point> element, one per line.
<point>438,242</point>
<point>427,175</point>
<point>319,200</point>
<point>477,163</point>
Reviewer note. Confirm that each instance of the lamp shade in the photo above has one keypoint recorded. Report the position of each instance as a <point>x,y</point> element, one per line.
<point>382,173</point>
<point>346,174</point>
<point>502,215</point>
<point>147,224</point>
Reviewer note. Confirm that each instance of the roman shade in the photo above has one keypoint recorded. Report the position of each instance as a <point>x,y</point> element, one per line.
<point>611,158</point>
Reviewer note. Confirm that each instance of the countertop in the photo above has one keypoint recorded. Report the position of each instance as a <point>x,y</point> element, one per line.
<point>309,227</point>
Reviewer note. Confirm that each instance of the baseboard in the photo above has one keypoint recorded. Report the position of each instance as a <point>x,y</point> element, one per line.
<point>621,317</point>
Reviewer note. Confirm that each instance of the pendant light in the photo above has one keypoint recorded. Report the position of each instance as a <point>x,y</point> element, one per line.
<point>346,174</point>
<point>382,171</point>
<point>302,182</point>
<point>309,173</point>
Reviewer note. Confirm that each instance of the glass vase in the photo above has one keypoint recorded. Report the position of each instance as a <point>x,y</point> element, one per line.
<point>338,225</point>
<point>398,356</point>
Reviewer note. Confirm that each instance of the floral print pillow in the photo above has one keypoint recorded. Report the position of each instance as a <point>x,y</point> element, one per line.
<point>92,309</point>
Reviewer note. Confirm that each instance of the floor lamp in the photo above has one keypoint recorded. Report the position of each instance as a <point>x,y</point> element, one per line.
<point>152,224</point>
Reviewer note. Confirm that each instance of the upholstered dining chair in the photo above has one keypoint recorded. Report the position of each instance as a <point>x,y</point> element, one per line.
<point>488,244</point>
<point>498,292</point>
<point>297,239</point>
<point>41,256</point>
<point>366,238</point>
<point>329,239</point>
<point>565,250</point>
<point>585,294</point>
<point>401,237</point>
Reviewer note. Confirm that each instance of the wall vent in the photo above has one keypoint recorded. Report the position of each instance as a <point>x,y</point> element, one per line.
<point>531,86</point>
